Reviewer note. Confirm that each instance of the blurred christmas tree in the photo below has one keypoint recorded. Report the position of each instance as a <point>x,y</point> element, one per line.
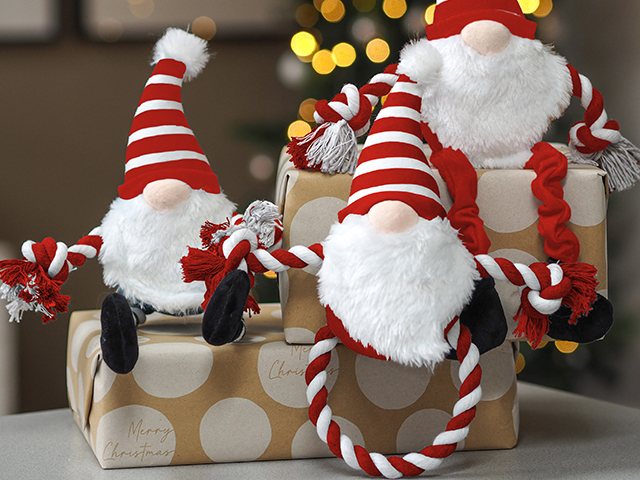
<point>350,41</point>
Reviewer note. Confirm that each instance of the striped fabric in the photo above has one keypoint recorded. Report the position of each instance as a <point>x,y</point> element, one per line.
<point>161,144</point>
<point>393,165</point>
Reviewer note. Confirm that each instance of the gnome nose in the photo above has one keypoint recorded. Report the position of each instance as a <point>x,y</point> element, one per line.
<point>486,36</point>
<point>392,216</point>
<point>166,194</point>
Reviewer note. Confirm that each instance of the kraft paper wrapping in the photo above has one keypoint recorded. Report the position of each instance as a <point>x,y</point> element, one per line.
<point>187,402</point>
<point>310,202</point>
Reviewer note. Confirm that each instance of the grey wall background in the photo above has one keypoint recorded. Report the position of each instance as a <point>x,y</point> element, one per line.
<point>66,109</point>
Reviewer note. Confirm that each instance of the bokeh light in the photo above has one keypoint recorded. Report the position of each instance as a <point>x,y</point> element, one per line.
<point>323,62</point>
<point>332,10</point>
<point>343,54</point>
<point>307,15</point>
<point>363,29</point>
<point>141,8</point>
<point>378,50</point>
<point>261,167</point>
<point>299,128</point>
<point>110,30</point>
<point>364,6</point>
<point>566,347</point>
<point>204,27</point>
<point>271,275</point>
<point>304,44</point>
<point>529,6</point>
<point>307,108</point>
<point>544,9</point>
<point>429,13</point>
<point>520,362</point>
<point>394,8</point>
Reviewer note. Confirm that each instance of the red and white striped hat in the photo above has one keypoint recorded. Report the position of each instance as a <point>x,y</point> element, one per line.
<point>393,165</point>
<point>451,16</point>
<point>161,144</point>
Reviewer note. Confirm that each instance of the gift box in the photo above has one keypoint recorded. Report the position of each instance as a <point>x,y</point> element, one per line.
<point>187,402</point>
<point>310,201</point>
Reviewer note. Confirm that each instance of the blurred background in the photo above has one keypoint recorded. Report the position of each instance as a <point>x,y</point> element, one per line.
<point>72,75</point>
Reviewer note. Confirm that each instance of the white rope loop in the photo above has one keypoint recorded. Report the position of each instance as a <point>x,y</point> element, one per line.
<point>447,437</point>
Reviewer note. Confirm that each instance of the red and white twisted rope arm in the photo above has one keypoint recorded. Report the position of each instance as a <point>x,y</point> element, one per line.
<point>596,132</point>
<point>331,147</point>
<point>597,140</point>
<point>34,283</point>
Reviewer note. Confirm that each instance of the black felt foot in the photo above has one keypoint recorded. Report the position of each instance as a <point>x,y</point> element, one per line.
<point>484,317</point>
<point>589,328</point>
<point>119,339</point>
<point>222,322</point>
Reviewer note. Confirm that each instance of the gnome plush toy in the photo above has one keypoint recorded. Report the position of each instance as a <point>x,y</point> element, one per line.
<point>488,91</point>
<point>169,191</point>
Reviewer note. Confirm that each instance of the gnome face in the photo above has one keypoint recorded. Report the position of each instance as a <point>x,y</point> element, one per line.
<point>142,245</point>
<point>487,91</point>
<point>396,280</point>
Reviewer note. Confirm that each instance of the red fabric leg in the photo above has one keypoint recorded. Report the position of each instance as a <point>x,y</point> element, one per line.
<point>462,183</point>
<point>550,167</point>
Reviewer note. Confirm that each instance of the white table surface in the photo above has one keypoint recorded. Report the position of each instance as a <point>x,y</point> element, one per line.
<point>562,436</point>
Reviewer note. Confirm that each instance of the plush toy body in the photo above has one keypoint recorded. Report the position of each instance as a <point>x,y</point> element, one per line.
<point>169,191</point>
<point>488,91</point>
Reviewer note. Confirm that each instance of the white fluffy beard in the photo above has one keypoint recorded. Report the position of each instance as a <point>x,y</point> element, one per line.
<point>142,249</point>
<point>495,108</point>
<point>397,292</point>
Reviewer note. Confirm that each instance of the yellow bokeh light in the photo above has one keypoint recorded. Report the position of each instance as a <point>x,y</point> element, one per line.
<point>307,108</point>
<point>394,8</point>
<point>429,13</point>
<point>566,347</point>
<point>323,62</point>
<point>378,50</point>
<point>343,54</point>
<point>271,275</point>
<point>364,5</point>
<point>204,27</point>
<point>303,44</point>
<point>142,9</point>
<point>318,4</point>
<point>529,6</point>
<point>332,10</point>
<point>544,9</point>
<point>306,15</point>
<point>299,128</point>
<point>540,345</point>
<point>520,362</point>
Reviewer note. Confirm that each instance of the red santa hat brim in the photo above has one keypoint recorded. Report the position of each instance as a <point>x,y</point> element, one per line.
<point>451,16</point>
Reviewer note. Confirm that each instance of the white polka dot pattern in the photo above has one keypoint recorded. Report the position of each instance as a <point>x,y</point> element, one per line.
<point>172,370</point>
<point>507,207</point>
<point>247,401</point>
<point>420,429</point>
<point>314,219</point>
<point>135,436</point>
<point>227,426</point>
<point>307,444</point>
<point>281,370</point>
<point>390,385</point>
<point>498,372</point>
<point>81,334</point>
